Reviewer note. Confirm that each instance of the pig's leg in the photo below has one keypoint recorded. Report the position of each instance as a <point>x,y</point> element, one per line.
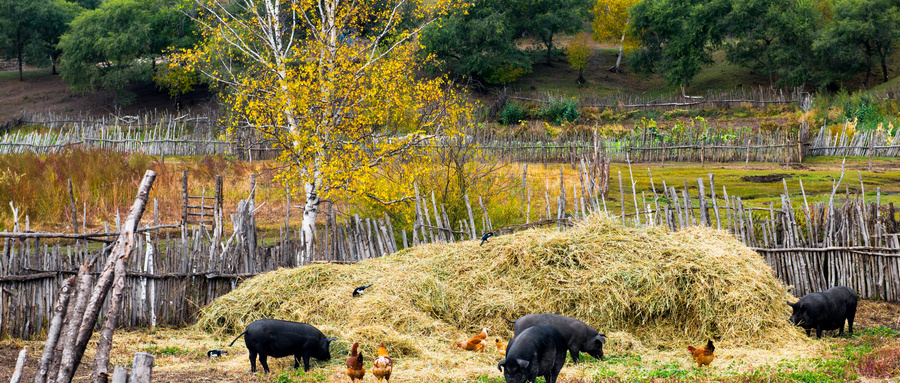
<point>850,316</point>
<point>296,361</point>
<point>252,361</point>
<point>262,361</point>
<point>305,362</point>
<point>574,354</point>
<point>818,332</point>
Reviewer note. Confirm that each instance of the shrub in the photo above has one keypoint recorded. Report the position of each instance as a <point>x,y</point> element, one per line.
<point>512,113</point>
<point>560,110</point>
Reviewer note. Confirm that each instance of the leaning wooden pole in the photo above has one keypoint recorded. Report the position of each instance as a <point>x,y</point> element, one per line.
<point>120,251</point>
<point>53,333</point>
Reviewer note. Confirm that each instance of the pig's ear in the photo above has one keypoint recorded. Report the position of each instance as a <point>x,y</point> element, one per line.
<point>501,365</point>
<point>791,304</point>
<point>601,338</point>
<point>523,363</point>
<point>329,340</point>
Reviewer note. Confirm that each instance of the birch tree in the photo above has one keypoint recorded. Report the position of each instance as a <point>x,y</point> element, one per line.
<point>332,82</point>
<point>610,23</point>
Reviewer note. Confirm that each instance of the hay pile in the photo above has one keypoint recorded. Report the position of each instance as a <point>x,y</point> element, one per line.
<point>646,289</point>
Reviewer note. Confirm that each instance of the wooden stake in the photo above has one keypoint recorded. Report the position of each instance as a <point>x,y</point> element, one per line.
<point>74,210</point>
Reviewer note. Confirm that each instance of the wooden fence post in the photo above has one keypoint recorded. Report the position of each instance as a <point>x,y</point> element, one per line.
<point>75,211</point>
<point>120,251</point>
<point>40,376</point>
<point>120,375</point>
<point>20,366</point>
<point>142,370</point>
<point>184,197</point>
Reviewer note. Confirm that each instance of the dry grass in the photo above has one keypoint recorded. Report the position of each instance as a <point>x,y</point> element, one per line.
<point>652,291</point>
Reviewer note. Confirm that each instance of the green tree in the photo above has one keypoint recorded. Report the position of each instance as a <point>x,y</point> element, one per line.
<point>774,37</point>
<point>677,37</point>
<point>862,35</point>
<point>544,19</point>
<point>477,41</point>
<point>89,4</point>
<point>118,43</point>
<point>29,30</point>
<point>45,51</point>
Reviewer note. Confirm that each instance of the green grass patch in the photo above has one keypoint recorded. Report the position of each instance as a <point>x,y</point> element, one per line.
<point>299,376</point>
<point>167,350</point>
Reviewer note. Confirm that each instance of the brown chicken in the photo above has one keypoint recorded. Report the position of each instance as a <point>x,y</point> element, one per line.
<point>501,347</point>
<point>704,356</point>
<point>383,365</point>
<point>355,368</point>
<point>475,343</point>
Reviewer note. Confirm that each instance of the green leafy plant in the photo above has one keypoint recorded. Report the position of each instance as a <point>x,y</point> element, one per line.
<point>560,110</point>
<point>512,113</point>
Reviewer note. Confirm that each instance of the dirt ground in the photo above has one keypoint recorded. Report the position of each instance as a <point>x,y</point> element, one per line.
<point>41,92</point>
<point>181,354</point>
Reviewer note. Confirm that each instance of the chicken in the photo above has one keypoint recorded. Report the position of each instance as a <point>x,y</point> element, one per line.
<point>355,368</point>
<point>501,347</point>
<point>475,343</point>
<point>483,334</point>
<point>383,365</point>
<point>704,356</point>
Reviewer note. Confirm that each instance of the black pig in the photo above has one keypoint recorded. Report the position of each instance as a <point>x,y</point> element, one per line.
<point>578,335</point>
<point>278,338</point>
<point>825,310</point>
<point>537,351</point>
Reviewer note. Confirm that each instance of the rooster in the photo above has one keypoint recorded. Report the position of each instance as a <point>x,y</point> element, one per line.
<point>355,368</point>
<point>383,365</point>
<point>704,356</point>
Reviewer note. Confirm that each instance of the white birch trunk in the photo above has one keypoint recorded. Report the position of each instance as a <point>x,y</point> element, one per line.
<point>310,212</point>
<point>615,69</point>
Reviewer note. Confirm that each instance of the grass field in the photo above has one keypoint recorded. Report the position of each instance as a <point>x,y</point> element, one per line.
<point>105,184</point>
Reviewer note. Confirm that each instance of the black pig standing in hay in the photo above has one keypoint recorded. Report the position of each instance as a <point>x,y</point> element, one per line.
<point>537,351</point>
<point>578,335</point>
<point>278,338</point>
<point>826,310</point>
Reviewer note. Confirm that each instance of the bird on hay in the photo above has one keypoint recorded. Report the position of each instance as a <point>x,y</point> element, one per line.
<point>359,290</point>
<point>216,353</point>
<point>485,237</point>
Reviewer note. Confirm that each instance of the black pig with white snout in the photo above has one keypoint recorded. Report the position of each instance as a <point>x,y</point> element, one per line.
<point>278,338</point>
<point>536,351</point>
<point>825,310</point>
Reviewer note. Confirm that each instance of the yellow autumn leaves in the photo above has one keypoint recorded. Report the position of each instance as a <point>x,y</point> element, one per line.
<point>333,83</point>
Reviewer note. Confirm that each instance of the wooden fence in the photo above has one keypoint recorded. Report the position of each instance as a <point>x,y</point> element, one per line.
<point>847,240</point>
<point>694,144</point>
<point>847,141</point>
<point>157,134</point>
<point>752,96</point>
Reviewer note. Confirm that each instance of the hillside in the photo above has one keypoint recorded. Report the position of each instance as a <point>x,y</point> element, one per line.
<point>41,92</point>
